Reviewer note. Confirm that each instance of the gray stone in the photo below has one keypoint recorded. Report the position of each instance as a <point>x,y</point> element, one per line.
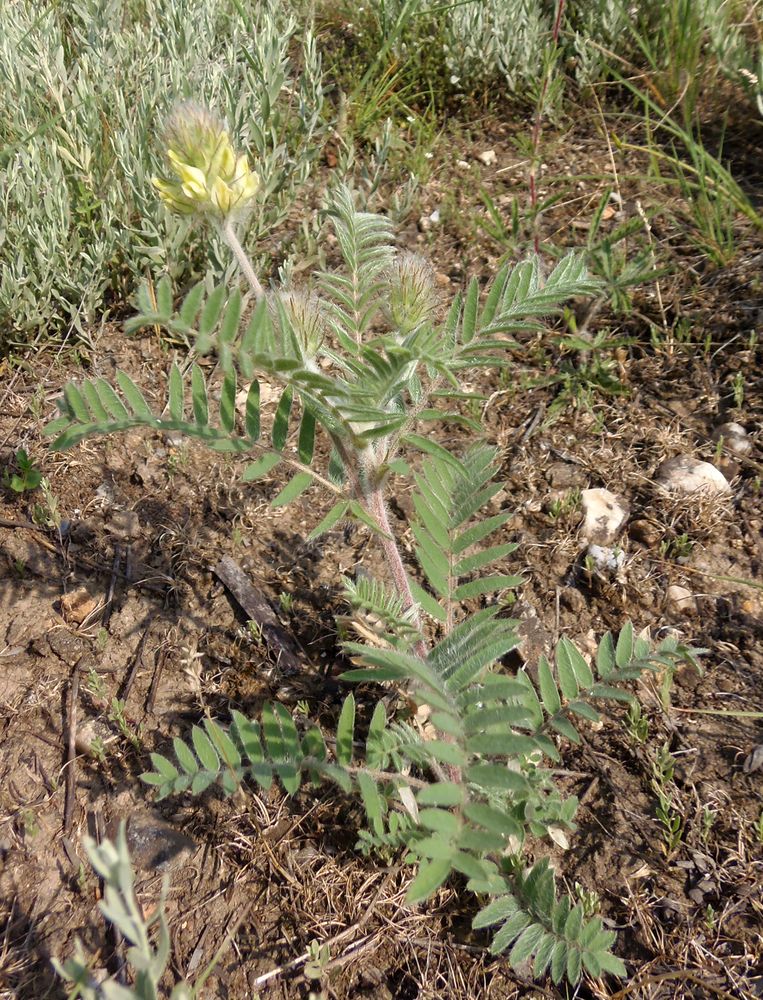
<point>735,439</point>
<point>156,845</point>
<point>680,601</point>
<point>604,516</point>
<point>565,475</point>
<point>686,475</point>
<point>66,646</point>
<point>606,560</point>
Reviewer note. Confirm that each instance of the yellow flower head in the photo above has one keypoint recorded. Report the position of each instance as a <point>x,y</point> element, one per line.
<point>210,178</point>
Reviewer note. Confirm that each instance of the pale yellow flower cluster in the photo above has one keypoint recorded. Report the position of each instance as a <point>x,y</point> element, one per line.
<point>210,177</point>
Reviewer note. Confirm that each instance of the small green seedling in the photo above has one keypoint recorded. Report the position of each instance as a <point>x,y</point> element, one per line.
<point>663,770</point>
<point>120,720</point>
<point>46,514</point>
<point>320,956</point>
<point>26,479</point>
<point>637,724</point>
<point>679,547</point>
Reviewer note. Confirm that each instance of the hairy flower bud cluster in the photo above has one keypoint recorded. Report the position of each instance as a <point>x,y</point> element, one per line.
<point>211,178</point>
<point>305,318</point>
<point>412,296</point>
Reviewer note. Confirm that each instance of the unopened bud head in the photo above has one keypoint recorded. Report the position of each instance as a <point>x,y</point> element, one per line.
<point>209,177</point>
<point>303,315</point>
<point>412,296</point>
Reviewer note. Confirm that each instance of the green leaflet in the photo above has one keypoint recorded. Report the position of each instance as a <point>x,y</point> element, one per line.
<point>281,420</point>
<point>228,402</point>
<point>176,393</point>
<point>252,415</point>
<point>345,731</point>
<point>293,489</point>
<point>134,396</point>
<point>199,396</point>
<point>431,876</point>
<point>264,465</point>
<point>335,515</point>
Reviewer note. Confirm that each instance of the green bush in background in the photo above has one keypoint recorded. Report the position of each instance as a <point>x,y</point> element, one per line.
<point>82,88</point>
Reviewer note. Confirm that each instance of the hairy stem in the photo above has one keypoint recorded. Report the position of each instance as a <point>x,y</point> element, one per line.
<point>244,263</point>
<point>377,508</point>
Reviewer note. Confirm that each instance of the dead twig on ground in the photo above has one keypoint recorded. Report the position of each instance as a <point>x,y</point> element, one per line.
<point>259,611</point>
<point>137,660</point>
<point>71,752</point>
<point>109,605</point>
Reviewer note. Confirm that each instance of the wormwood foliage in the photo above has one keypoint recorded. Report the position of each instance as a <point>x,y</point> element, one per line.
<point>119,905</point>
<point>461,784</point>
